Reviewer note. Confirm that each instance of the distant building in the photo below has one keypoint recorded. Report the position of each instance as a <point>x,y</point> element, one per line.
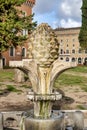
<point>20,52</point>
<point>70,50</point>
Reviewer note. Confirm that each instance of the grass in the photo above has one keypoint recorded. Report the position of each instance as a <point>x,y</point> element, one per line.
<point>81,107</point>
<point>67,79</point>
<point>84,88</point>
<point>81,69</point>
<point>12,89</point>
<point>6,75</point>
<point>25,86</point>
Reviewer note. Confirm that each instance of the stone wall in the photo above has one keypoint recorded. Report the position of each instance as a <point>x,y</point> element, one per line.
<point>72,119</point>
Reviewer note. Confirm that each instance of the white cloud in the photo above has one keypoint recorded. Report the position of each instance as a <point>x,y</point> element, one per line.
<point>69,23</point>
<point>71,8</point>
<point>55,24</point>
<point>66,8</point>
<point>58,13</point>
<point>44,6</point>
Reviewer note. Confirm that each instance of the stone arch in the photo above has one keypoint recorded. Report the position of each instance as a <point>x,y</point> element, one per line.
<point>79,60</point>
<point>61,58</point>
<point>73,59</point>
<point>85,61</point>
<point>23,52</point>
<point>67,51</point>
<point>73,51</point>
<point>67,59</point>
<point>61,51</point>
<point>21,74</point>
<point>59,68</point>
<point>10,122</point>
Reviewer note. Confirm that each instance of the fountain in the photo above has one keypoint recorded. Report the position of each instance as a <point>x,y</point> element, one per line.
<point>42,67</point>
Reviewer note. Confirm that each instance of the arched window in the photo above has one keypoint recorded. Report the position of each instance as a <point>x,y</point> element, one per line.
<point>79,50</point>
<point>86,51</point>
<point>85,61</point>
<point>67,51</point>
<point>61,51</point>
<point>61,58</point>
<point>4,61</point>
<point>73,39</point>
<point>12,51</point>
<point>24,52</point>
<point>73,59</point>
<point>73,51</point>
<point>67,59</point>
<point>10,122</point>
<point>73,45</point>
<point>79,60</point>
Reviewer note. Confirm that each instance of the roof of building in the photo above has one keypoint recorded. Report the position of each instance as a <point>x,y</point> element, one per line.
<point>61,29</point>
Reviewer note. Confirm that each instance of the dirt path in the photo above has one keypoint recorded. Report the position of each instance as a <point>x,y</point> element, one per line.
<point>10,101</point>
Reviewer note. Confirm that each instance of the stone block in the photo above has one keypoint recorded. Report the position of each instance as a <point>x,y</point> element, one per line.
<point>1,121</point>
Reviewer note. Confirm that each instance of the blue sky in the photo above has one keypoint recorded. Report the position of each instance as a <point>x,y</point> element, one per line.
<point>58,13</point>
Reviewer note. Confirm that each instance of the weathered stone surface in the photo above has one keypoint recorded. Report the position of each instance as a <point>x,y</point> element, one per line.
<point>75,120</point>
<point>78,118</point>
<point>44,45</point>
<point>1,121</point>
<point>44,124</point>
<point>43,49</point>
<point>45,97</point>
<point>19,76</point>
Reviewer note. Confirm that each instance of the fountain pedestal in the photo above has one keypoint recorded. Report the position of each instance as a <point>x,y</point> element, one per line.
<point>44,124</point>
<point>43,118</point>
<point>43,103</point>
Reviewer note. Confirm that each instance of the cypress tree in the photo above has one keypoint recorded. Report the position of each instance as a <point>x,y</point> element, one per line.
<point>83,30</point>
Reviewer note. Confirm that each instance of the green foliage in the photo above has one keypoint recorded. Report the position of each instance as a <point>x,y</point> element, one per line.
<point>81,69</point>
<point>12,23</point>
<point>25,86</point>
<point>81,107</point>
<point>6,75</point>
<point>84,88</point>
<point>72,77</point>
<point>83,30</point>
<point>12,89</point>
<point>68,79</point>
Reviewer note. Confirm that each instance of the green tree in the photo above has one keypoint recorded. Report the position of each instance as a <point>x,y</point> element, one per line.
<point>83,30</point>
<point>12,23</point>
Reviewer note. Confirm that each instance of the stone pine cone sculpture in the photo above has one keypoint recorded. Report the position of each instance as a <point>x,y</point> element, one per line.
<point>43,45</point>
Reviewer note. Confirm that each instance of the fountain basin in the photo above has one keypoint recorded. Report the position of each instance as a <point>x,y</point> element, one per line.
<point>56,122</point>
